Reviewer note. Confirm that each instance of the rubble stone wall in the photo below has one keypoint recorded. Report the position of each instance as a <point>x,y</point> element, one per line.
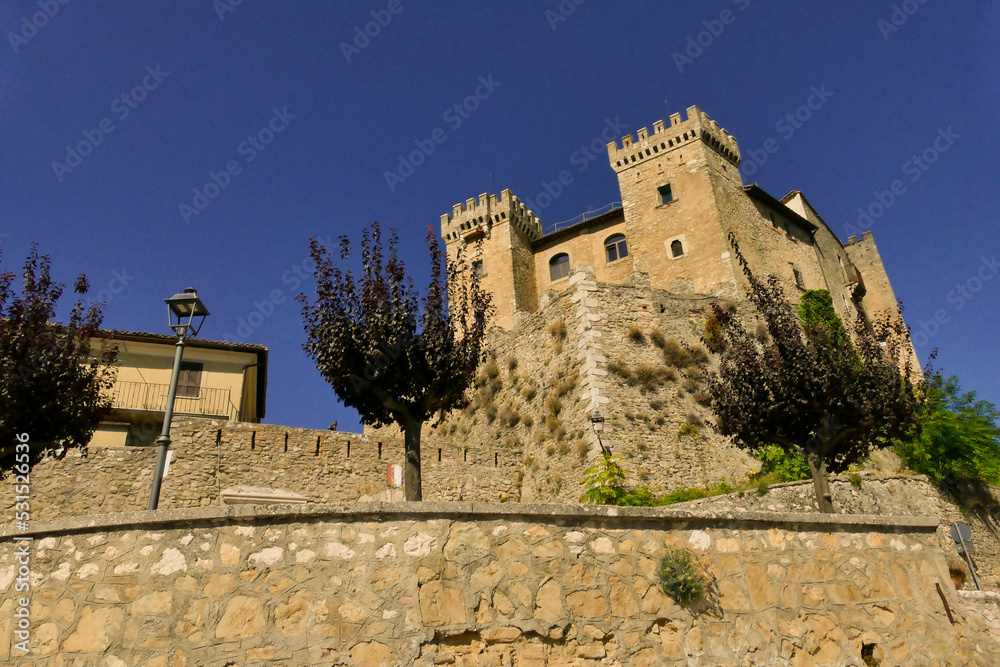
<point>470,584</point>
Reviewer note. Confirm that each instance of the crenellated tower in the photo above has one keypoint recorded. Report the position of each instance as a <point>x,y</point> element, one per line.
<point>496,235</point>
<point>670,181</point>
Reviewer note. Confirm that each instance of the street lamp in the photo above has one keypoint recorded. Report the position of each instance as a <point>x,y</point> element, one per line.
<point>182,309</point>
<point>597,421</point>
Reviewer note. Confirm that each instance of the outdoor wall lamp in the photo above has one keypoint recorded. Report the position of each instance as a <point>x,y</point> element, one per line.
<point>597,421</point>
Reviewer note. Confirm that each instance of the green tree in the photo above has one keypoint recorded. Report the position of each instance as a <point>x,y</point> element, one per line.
<point>807,389</point>
<point>384,357</point>
<point>960,440</point>
<point>53,382</point>
<point>606,484</point>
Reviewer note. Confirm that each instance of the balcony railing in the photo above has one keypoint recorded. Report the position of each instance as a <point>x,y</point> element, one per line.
<point>153,398</point>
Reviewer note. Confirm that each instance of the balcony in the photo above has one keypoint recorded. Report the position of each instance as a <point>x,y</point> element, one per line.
<point>854,281</point>
<point>153,398</point>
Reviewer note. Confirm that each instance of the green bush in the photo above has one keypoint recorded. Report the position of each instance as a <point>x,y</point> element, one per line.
<point>605,483</point>
<point>960,438</point>
<point>783,466</point>
<point>680,576</point>
<point>682,496</point>
<point>688,429</point>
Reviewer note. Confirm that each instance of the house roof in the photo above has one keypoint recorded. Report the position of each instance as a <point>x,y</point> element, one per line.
<point>812,208</point>
<point>756,192</point>
<point>259,350</point>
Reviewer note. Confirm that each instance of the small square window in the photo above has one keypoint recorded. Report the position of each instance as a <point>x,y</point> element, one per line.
<point>477,268</point>
<point>665,193</point>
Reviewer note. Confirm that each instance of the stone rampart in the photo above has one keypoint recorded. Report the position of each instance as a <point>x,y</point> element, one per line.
<point>480,584</point>
<point>211,456</point>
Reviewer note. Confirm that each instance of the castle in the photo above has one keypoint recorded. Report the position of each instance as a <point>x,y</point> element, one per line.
<point>215,576</point>
<point>681,195</point>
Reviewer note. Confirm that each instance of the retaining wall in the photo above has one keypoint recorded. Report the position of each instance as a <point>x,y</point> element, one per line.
<point>480,584</point>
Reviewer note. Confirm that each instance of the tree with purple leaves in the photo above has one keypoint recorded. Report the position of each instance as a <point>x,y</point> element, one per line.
<point>809,388</point>
<point>54,378</point>
<point>385,357</point>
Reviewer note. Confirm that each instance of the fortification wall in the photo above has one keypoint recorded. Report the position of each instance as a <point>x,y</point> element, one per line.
<point>211,456</point>
<point>471,585</point>
<point>553,371</point>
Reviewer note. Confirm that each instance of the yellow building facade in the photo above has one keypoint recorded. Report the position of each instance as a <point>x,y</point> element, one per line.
<point>218,379</point>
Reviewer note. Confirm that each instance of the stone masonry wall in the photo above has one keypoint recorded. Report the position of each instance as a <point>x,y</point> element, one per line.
<point>890,495</point>
<point>470,585</point>
<point>211,456</point>
<point>541,406</point>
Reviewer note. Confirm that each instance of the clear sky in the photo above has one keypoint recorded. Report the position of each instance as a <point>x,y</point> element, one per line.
<point>153,98</point>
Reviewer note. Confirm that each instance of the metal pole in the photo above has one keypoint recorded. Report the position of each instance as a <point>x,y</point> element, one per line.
<point>163,442</point>
<point>968,559</point>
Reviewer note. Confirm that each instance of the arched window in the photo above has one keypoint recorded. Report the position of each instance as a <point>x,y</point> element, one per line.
<point>677,248</point>
<point>616,247</point>
<point>559,266</point>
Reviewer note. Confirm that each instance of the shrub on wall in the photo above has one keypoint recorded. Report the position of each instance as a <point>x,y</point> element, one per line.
<point>680,576</point>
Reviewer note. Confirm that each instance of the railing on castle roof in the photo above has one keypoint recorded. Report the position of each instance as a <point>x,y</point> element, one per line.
<point>584,217</point>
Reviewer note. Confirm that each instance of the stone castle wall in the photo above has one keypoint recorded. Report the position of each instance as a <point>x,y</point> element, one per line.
<point>470,585</point>
<point>211,456</point>
<point>562,355</point>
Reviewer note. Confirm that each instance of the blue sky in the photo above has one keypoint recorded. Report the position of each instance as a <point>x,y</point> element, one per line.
<point>164,95</point>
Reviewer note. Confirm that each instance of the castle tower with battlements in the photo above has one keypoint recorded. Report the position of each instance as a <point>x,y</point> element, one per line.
<point>681,195</point>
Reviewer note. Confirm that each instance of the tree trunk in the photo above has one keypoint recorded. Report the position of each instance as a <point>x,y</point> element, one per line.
<point>821,485</point>
<point>411,468</point>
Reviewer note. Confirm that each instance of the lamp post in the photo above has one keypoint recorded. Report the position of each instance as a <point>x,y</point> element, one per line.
<point>597,421</point>
<point>182,309</point>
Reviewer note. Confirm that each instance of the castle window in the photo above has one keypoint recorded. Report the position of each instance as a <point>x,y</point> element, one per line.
<point>477,268</point>
<point>677,249</point>
<point>559,266</point>
<point>616,247</point>
<point>665,193</point>
<point>189,380</point>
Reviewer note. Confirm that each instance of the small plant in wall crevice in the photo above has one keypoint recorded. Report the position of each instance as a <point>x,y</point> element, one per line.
<point>680,576</point>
